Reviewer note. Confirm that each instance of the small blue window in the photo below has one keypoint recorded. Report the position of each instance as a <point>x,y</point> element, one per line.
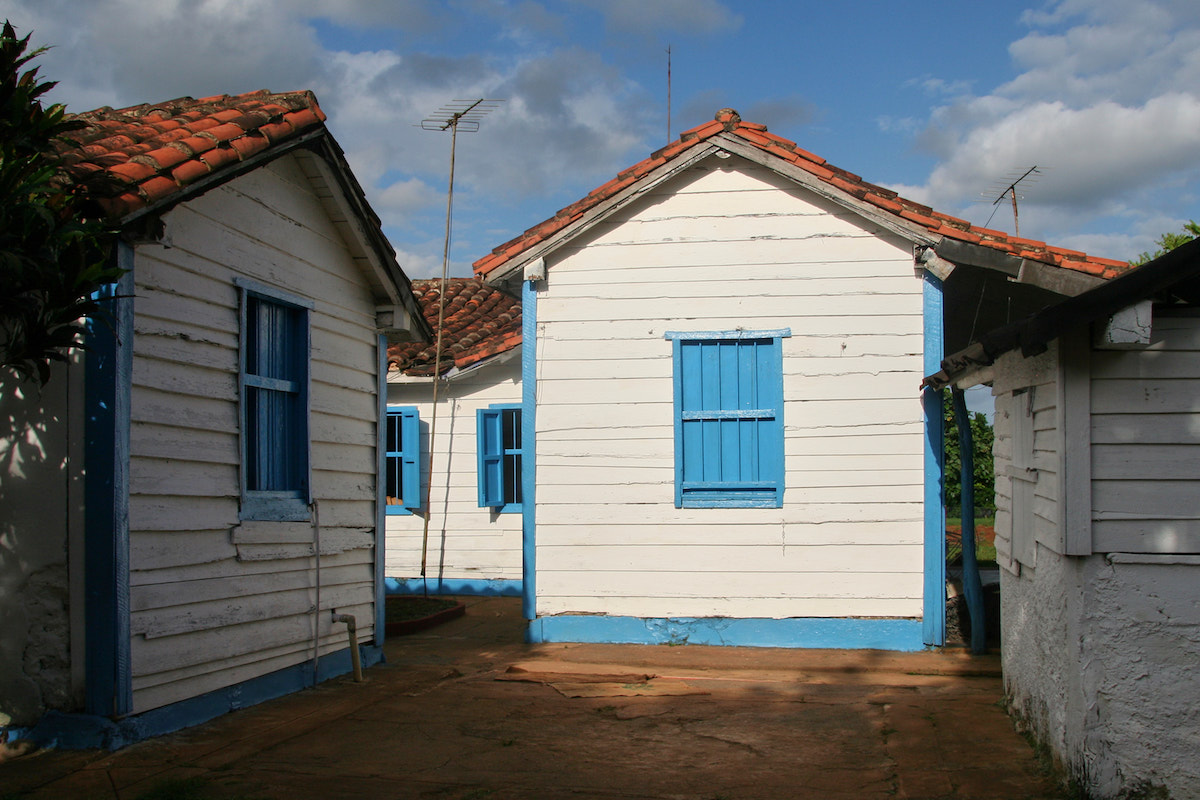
<point>403,456</point>
<point>728,419</point>
<point>274,404</point>
<point>498,430</point>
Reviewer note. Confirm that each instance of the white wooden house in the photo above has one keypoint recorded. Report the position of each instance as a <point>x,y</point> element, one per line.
<point>1098,524</point>
<point>443,537</point>
<point>216,504</point>
<point>723,436</point>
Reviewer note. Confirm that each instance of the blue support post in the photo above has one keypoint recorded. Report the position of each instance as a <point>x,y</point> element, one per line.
<point>380,492</point>
<point>972,586</point>
<point>108,383</point>
<point>528,448</point>
<point>934,594</point>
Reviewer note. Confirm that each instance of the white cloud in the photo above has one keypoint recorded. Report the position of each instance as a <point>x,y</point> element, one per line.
<point>1107,103</point>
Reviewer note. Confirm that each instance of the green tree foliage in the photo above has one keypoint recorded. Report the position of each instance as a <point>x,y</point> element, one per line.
<point>52,260</point>
<point>982,437</point>
<point>1168,242</point>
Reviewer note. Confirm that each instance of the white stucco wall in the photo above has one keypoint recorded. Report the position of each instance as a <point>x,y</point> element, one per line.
<point>42,437</point>
<point>1100,651</point>
<point>1100,657</point>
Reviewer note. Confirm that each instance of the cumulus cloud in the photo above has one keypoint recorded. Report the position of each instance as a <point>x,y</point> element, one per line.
<point>1118,135</point>
<point>569,118</point>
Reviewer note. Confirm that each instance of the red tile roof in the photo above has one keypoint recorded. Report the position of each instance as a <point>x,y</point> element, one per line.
<point>480,321</point>
<point>133,158</point>
<point>728,121</point>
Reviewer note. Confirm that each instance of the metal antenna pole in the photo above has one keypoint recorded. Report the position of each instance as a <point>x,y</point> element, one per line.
<point>1011,190</point>
<point>668,93</point>
<point>468,114</point>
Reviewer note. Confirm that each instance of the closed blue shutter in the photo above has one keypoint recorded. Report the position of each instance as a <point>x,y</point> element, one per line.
<point>729,447</point>
<point>410,458</point>
<point>490,433</point>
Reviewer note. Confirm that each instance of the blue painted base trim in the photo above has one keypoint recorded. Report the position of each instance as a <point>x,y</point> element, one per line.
<point>460,586</point>
<point>797,632</point>
<point>90,731</point>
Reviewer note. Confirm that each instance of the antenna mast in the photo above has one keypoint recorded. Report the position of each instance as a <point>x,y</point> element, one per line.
<point>668,93</point>
<point>465,114</point>
<point>1011,191</point>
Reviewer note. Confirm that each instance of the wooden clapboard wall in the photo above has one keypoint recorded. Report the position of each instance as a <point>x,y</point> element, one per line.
<point>466,542</point>
<point>1146,442</point>
<point>214,603</point>
<point>726,245</point>
<point>1026,386</point>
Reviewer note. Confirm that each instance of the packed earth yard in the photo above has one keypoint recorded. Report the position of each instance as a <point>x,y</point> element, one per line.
<point>467,710</point>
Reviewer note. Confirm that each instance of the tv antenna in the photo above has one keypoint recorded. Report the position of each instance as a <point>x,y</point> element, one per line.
<point>1030,175</point>
<point>668,93</point>
<point>465,115</point>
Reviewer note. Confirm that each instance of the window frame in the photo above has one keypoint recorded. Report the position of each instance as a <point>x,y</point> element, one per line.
<point>767,490</point>
<point>491,473</point>
<point>410,452</point>
<point>289,504</point>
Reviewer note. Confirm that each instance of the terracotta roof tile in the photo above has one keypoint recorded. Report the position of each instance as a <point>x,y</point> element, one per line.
<point>728,120</point>
<point>134,157</point>
<point>480,321</point>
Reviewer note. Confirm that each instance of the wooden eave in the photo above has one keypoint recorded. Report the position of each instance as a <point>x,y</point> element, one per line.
<point>1176,272</point>
<point>325,164</point>
<point>911,231</point>
<point>599,212</point>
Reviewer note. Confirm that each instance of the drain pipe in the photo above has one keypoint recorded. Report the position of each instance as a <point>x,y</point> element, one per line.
<point>352,632</point>
<point>316,662</point>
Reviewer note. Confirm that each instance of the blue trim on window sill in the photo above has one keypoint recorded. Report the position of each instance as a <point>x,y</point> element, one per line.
<point>398,511</point>
<point>740,502</point>
<point>509,508</point>
<point>794,632</point>
<point>467,587</point>
<point>777,333</point>
<point>92,731</point>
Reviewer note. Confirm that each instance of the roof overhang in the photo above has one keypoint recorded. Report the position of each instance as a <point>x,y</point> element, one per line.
<point>324,163</point>
<point>515,267</point>
<point>1177,272</point>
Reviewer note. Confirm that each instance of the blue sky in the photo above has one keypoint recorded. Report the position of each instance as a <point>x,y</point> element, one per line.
<point>942,101</point>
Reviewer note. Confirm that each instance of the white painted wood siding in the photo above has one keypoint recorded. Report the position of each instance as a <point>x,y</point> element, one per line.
<point>466,542</point>
<point>212,603</point>
<point>1026,381</point>
<point>1146,442</point>
<point>730,245</point>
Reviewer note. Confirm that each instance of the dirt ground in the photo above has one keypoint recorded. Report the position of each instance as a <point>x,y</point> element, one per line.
<point>467,711</point>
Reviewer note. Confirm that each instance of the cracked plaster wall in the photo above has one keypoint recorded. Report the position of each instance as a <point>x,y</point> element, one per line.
<point>35,667</point>
<point>1100,658</point>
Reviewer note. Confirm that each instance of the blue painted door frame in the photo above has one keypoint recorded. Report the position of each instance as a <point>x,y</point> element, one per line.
<point>529,448</point>
<point>934,593</point>
<point>108,382</point>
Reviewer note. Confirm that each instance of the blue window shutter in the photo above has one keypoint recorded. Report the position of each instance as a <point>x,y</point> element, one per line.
<point>410,458</point>
<point>490,446</point>
<point>729,419</point>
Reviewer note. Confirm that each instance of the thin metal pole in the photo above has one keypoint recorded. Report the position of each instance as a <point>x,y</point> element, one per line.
<point>437,356</point>
<point>668,93</point>
<point>1016,222</point>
